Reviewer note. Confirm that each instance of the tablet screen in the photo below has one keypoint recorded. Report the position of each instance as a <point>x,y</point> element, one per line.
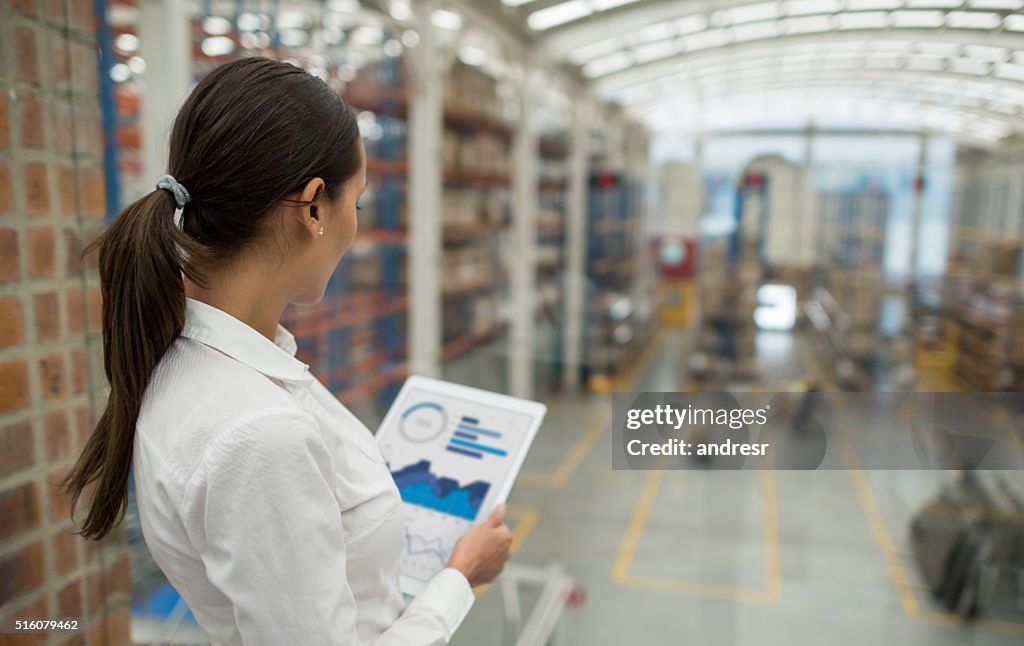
<point>454,454</point>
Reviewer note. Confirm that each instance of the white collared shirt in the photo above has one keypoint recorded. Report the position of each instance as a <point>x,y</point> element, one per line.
<point>268,505</point>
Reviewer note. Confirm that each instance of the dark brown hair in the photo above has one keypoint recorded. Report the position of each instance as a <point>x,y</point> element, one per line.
<point>251,133</point>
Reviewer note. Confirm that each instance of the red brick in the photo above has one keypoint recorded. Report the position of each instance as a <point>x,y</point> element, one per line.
<point>5,133</point>
<point>6,188</point>
<point>51,377</point>
<point>73,252</point>
<point>66,189</point>
<point>65,554</point>
<point>98,633</point>
<point>19,507</point>
<point>69,600</point>
<point>14,390</point>
<point>47,307</point>
<point>12,326</point>
<point>119,580</point>
<point>42,253</point>
<point>30,120</point>
<point>25,7</point>
<point>79,368</point>
<point>37,192</point>
<point>10,256</point>
<point>58,436</point>
<point>95,303</point>
<point>93,191</point>
<point>26,54</point>
<point>76,311</point>
<point>59,503</point>
<point>119,626</point>
<point>17,448</point>
<point>82,17</point>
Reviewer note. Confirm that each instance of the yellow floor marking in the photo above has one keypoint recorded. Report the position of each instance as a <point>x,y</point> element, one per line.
<point>772,593</point>
<point>560,477</point>
<point>897,574</point>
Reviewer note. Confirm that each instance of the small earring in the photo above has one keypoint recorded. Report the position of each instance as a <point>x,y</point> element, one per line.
<point>321,229</point>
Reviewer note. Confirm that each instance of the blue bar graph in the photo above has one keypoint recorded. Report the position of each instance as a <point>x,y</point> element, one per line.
<point>472,454</point>
<point>465,436</point>
<point>478,447</point>
<point>470,420</point>
<point>477,429</point>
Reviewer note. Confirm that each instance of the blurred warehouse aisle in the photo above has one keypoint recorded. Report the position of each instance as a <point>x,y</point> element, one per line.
<point>720,557</point>
<point>568,199</point>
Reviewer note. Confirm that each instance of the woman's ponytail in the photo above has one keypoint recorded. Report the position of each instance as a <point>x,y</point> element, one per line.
<point>143,256</point>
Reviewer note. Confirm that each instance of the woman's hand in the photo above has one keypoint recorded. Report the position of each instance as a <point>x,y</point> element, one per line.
<point>481,553</point>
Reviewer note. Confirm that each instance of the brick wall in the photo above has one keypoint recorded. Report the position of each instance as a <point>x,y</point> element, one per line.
<point>51,377</point>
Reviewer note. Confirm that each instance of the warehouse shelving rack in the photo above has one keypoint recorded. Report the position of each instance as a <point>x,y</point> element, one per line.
<point>982,302</point>
<point>476,221</point>
<point>615,323</point>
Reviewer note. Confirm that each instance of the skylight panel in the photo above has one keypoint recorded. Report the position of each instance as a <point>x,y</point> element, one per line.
<point>973,20</point>
<point>558,14</point>
<point>917,19</point>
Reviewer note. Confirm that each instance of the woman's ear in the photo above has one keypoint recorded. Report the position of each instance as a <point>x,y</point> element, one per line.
<point>310,214</point>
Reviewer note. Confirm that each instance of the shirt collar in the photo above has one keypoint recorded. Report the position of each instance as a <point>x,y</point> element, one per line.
<point>221,331</point>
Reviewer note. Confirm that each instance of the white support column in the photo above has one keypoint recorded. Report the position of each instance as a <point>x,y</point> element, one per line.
<point>166,47</point>
<point>426,123</point>
<point>575,243</point>
<point>523,262</point>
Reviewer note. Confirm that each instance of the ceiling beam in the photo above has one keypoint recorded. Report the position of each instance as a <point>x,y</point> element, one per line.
<point>901,78</point>
<point>811,85</point>
<point>679,62</point>
<point>962,138</point>
<point>623,20</point>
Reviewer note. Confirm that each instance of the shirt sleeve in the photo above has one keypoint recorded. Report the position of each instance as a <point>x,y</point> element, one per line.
<point>262,513</point>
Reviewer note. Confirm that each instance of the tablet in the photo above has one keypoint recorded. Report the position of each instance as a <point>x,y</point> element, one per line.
<point>454,452</point>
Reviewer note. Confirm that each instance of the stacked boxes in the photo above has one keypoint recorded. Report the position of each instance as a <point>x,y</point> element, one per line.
<point>476,152</point>
<point>469,90</point>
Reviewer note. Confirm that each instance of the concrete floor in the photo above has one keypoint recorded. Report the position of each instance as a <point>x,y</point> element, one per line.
<point>706,557</point>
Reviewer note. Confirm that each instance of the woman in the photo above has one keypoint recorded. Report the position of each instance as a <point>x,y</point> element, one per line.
<point>264,501</point>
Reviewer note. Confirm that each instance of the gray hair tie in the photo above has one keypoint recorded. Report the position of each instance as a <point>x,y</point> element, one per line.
<point>181,196</point>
